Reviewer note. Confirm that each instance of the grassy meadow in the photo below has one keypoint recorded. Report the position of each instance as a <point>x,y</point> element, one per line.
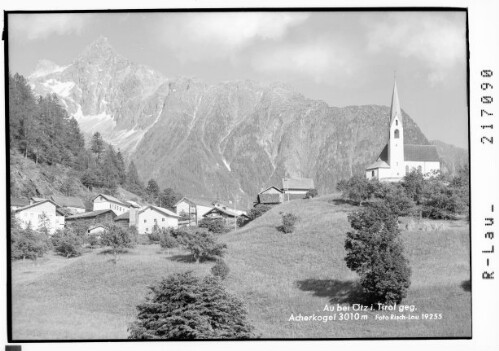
<point>276,274</point>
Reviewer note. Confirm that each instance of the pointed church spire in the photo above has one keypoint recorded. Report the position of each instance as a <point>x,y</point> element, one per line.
<point>395,108</point>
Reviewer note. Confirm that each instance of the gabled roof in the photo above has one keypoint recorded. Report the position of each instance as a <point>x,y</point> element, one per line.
<point>123,217</point>
<point>68,201</point>
<point>90,214</point>
<point>19,202</point>
<point>111,198</point>
<point>37,199</point>
<point>161,210</point>
<point>378,164</point>
<point>426,153</point>
<point>229,212</point>
<point>298,183</point>
<point>20,209</point>
<point>133,203</point>
<point>270,187</point>
<point>197,201</point>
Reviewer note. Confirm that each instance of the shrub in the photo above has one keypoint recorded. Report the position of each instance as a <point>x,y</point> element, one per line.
<point>27,243</point>
<point>94,240</point>
<point>375,252</point>
<point>442,201</point>
<point>414,185</point>
<point>183,306</point>
<point>358,189</point>
<point>67,243</point>
<point>311,194</point>
<point>220,269</point>
<point>166,239</point>
<point>214,225</point>
<point>288,223</point>
<point>118,238</point>
<point>397,200</point>
<point>203,245</point>
<point>155,235</point>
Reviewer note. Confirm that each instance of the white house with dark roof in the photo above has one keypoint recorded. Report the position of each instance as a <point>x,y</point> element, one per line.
<point>195,208</point>
<point>145,218</point>
<point>37,212</point>
<point>104,202</point>
<point>397,159</point>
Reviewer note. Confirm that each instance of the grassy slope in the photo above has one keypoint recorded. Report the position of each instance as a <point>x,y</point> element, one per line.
<point>276,274</point>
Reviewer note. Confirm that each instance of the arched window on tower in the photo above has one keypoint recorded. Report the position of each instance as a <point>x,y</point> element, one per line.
<point>397,134</point>
<point>396,122</point>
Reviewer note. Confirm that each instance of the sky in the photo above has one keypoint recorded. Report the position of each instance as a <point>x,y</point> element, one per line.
<point>342,58</point>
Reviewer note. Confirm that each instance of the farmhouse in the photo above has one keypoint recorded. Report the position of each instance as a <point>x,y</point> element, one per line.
<point>228,215</point>
<point>103,202</point>
<point>194,208</point>
<point>145,218</point>
<point>296,188</point>
<point>91,218</point>
<point>71,204</point>
<point>44,212</point>
<point>397,159</point>
<point>270,196</point>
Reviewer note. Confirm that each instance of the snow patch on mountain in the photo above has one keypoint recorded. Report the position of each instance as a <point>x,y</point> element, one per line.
<point>62,89</point>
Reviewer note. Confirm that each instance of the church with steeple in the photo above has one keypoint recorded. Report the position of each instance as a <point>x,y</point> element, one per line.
<point>397,159</point>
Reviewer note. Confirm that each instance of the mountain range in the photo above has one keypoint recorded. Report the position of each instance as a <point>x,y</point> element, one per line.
<point>226,140</point>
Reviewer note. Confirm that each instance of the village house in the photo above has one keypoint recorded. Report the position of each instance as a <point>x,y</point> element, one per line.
<point>229,215</point>
<point>40,213</point>
<point>145,218</point>
<point>93,218</point>
<point>270,196</point>
<point>103,202</point>
<point>71,204</point>
<point>296,188</point>
<point>194,208</point>
<point>397,159</point>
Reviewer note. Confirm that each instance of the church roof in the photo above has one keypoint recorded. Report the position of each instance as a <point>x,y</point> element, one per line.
<point>427,153</point>
<point>378,164</point>
<point>395,106</point>
<point>415,153</point>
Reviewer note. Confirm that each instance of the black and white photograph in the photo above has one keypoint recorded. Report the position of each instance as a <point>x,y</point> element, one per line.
<point>235,174</point>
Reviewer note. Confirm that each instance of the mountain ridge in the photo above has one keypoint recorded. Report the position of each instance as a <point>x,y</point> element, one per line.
<point>225,140</point>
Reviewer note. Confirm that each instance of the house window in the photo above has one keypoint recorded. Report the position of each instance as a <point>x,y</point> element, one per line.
<point>163,219</point>
<point>155,220</point>
<point>147,229</point>
<point>397,134</point>
<point>372,174</point>
<point>145,220</point>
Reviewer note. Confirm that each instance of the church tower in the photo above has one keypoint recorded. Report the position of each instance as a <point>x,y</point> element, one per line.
<point>396,137</point>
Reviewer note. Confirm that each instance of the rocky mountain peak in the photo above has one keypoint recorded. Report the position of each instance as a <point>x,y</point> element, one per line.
<point>99,50</point>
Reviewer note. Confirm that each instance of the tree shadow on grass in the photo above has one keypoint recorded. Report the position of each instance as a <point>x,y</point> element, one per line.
<point>466,285</point>
<point>188,258</point>
<point>110,252</point>
<point>338,291</point>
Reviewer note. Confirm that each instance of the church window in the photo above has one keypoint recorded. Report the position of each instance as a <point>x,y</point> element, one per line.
<point>406,169</point>
<point>397,134</point>
<point>420,169</point>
